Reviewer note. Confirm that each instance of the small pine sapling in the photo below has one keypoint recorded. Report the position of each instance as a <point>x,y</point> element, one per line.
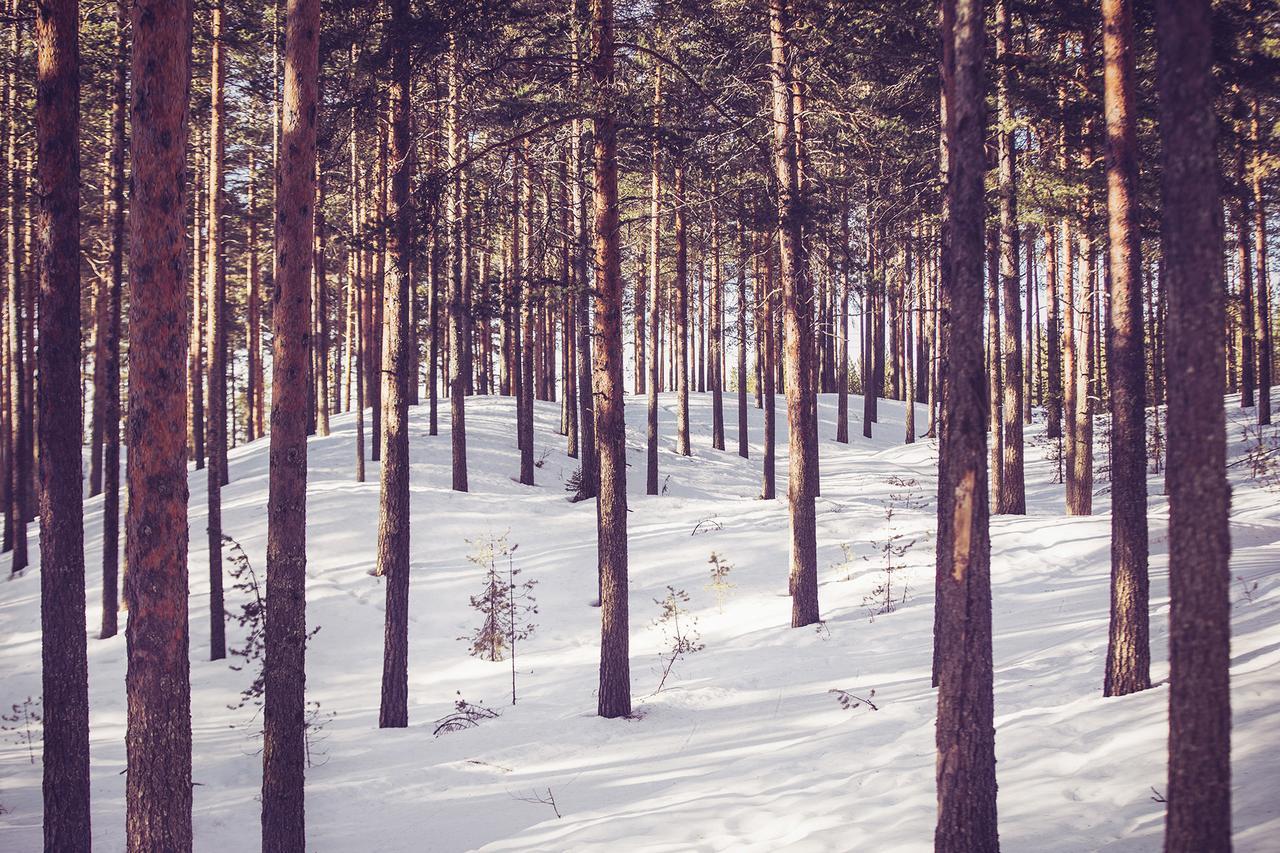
<point>681,639</point>
<point>23,723</point>
<point>893,547</point>
<point>719,585</point>
<point>505,605</point>
<point>849,701</point>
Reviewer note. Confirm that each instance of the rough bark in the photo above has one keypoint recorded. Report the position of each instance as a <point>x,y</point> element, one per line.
<point>611,515</point>
<point>456,215</point>
<point>680,328</point>
<point>111,346</point>
<point>965,730</point>
<point>63,652</point>
<point>1198,817</point>
<point>393,521</point>
<point>655,295</point>
<point>1013,499</point>
<point>797,322</point>
<point>157,683</point>
<point>284,726</point>
<point>215,429</point>
<point>1128,649</point>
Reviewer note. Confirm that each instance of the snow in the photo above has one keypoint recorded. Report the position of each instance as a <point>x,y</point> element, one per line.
<point>745,749</point>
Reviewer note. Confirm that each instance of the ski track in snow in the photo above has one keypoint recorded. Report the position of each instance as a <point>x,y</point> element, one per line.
<point>744,749</point>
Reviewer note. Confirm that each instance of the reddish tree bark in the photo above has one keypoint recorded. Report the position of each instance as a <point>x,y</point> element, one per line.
<point>1128,647</point>
<point>158,740</point>
<point>965,730</point>
<point>284,732</point>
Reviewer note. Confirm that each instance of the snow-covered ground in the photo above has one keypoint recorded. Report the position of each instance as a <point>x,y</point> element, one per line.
<point>745,748</point>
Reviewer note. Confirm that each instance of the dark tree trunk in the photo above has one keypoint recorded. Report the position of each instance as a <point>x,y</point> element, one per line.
<point>1128,651</point>
<point>1199,791</point>
<point>111,345</point>
<point>742,338</point>
<point>842,366</point>
<point>393,521</point>
<point>768,332</point>
<point>715,372</point>
<point>253,320</point>
<point>1262,316</point>
<point>1013,499</point>
<point>680,329</point>
<point>655,294</point>
<point>797,320</point>
<point>611,516</point>
<point>457,213</point>
<point>64,664</point>
<point>284,725</point>
<point>195,366</point>
<point>215,431</point>
<point>158,741</point>
<point>1053,324</point>
<point>965,727</point>
<point>524,353</point>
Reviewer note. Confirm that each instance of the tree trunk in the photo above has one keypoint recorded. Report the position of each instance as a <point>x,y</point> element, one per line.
<point>1199,789</point>
<point>1262,316</point>
<point>965,727</point>
<point>195,368</point>
<point>655,294</point>
<point>64,665</point>
<point>284,726</point>
<point>456,215</point>
<point>215,431</point>
<point>680,329</point>
<point>1128,651</point>
<point>1013,499</point>
<point>524,354</point>
<point>768,487</point>
<point>715,371</point>
<point>842,366</point>
<point>611,516</point>
<point>158,740</point>
<point>111,346</point>
<point>742,336</point>
<point>253,320</point>
<point>393,521</point>
<point>797,321</point>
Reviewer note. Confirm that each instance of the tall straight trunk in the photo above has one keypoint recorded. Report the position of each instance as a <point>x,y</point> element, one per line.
<point>768,332</point>
<point>569,351</point>
<point>589,480</point>
<point>19,461</point>
<point>911,332</point>
<point>1080,466</point>
<point>321,337</point>
<point>655,295</point>
<point>1031,341</point>
<point>524,354</point>
<point>870,390</point>
<point>1244,260</point>
<point>157,683</point>
<point>742,337</point>
<point>215,430</point>
<point>797,321</point>
<point>97,343</point>
<point>842,331</point>
<point>1262,314</point>
<point>63,655</point>
<point>253,319</point>
<point>455,216</point>
<point>1199,789</point>
<point>611,515</point>
<point>111,346</point>
<point>966,777</point>
<point>1069,352</point>
<point>1013,498</point>
<point>195,366</point>
<point>715,376</point>
<point>1128,647</point>
<point>680,328</point>
<point>393,519</point>
<point>375,352</point>
<point>284,728</point>
<point>995,408</point>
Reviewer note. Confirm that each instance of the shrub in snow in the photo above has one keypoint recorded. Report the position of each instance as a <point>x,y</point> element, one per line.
<point>719,585</point>
<point>466,715</point>
<point>682,638</point>
<point>505,605</point>
<point>23,725</point>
